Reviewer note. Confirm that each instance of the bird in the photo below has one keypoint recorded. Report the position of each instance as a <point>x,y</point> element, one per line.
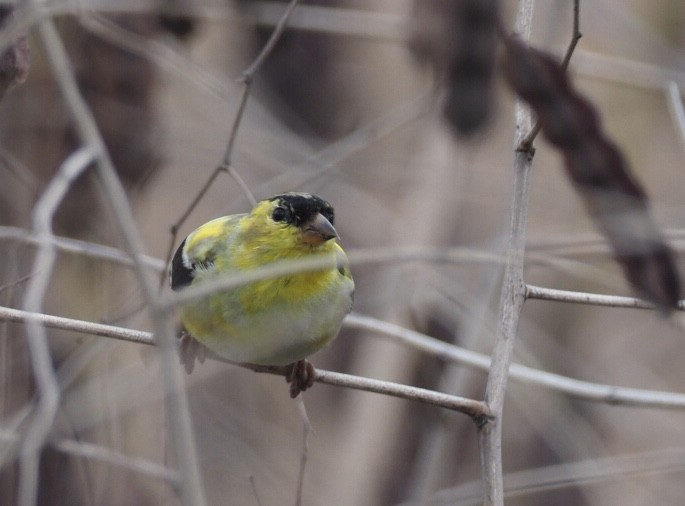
<point>278,321</point>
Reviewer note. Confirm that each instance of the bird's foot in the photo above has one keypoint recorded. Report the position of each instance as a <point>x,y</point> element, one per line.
<point>300,375</point>
<point>190,349</point>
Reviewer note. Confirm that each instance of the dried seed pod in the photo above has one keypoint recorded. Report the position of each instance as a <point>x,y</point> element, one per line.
<point>613,197</point>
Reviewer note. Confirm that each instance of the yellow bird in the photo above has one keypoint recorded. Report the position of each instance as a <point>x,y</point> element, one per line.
<point>276,321</point>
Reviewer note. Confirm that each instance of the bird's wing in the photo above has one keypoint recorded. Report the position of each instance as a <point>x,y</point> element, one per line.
<point>200,248</point>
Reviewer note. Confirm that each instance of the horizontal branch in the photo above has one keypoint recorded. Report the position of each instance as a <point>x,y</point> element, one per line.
<point>104,454</point>
<point>75,246</point>
<point>584,390</point>
<point>475,409</point>
<point>470,407</point>
<point>568,475</point>
<point>594,299</point>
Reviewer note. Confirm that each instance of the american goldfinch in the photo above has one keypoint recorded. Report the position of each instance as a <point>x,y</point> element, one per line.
<point>276,321</point>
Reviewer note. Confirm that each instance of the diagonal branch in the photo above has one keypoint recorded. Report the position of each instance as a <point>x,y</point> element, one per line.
<point>191,489</point>
<point>226,164</point>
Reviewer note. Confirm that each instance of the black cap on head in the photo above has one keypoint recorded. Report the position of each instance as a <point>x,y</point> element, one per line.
<point>300,208</point>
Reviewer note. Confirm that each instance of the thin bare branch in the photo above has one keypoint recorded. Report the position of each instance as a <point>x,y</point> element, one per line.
<point>253,486</point>
<point>512,296</point>
<point>225,165</point>
<point>78,247</point>
<point>304,455</point>
<point>527,143</point>
<point>271,43</point>
<point>570,474</point>
<point>675,107</point>
<point>39,350</point>
<point>583,390</point>
<point>468,406</point>
<point>192,492</point>
<point>594,299</point>
<point>104,454</point>
<point>475,409</point>
<point>16,282</point>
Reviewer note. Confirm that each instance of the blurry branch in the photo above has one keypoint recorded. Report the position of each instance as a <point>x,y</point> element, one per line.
<point>675,107</point>
<point>78,247</point>
<point>359,139</point>
<point>164,55</point>
<point>48,392</point>
<point>106,455</point>
<point>226,164</point>
<point>334,20</point>
<point>249,73</point>
<point>255,492</point>
<point>304,456</point>
<point>315,18</point>
<point>580,245</point>
<point>590,243</point>
<point>191,490</point>
<point>17,282</point>
<point>388,255</point>
<point>512,295</point>
<point>566,475</point>
<point>584,390</point>
<point>327,261</point>
<point>342,21</point>
<point>633,73</point>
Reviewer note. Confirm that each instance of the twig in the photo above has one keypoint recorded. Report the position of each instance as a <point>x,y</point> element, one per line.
<point>225,165</point>
<point>328,158</point>
<point>18,281</point>
<point>527,143</point>
<point>78,247</point>
<point>579,389</point>
<point>253,485</point>
<point>283,267</point>
<point>191,489</point>
<point>468,406</point>
<point>271,43</point>
<point>580,245</point>
<point>475,409</point>
<point>104,454</point>
<point>165,56</point>
<point>304,455</point>
<point>246,78</point>
<point>594,299</point>
<point>512,296</point>
<point>566,475</point>
<point>675,107</point>
<point>583,390</point>
<point>39,350</point>
<point>366,255</point>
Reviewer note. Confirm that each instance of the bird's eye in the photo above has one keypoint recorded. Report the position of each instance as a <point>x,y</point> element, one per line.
<point>280,214</point>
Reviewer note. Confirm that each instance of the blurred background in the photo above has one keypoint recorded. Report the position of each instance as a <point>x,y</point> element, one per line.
<point>347,106</point>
